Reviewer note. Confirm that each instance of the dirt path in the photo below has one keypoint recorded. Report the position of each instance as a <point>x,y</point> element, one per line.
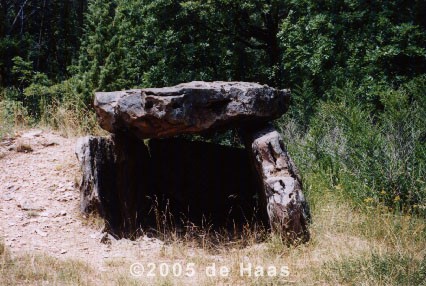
<point>39,203</point>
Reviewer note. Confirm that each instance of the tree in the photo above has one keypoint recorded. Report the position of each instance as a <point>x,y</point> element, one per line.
<point>281,43</point>
<point>331,42</point>
<point>45,32</point>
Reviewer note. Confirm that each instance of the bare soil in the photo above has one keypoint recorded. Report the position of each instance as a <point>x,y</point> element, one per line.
<point>39,204</point>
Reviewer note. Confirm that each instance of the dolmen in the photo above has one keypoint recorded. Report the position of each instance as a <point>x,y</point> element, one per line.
<point>123,172</point>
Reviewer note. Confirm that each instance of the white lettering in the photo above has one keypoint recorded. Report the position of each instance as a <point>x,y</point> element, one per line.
<point>246,270</point>
<point>211,270</point>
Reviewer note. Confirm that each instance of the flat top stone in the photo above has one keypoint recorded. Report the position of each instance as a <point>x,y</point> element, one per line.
<point>202,85</point>
<point>193,107</point>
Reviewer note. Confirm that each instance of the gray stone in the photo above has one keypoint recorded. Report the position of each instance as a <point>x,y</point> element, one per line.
<point>96,158</point>
<point>111,182</point>
<point>287,208</point>
<point>193,107</point>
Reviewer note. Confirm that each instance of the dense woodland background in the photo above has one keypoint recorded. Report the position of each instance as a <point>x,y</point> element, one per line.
<point>356,68</point>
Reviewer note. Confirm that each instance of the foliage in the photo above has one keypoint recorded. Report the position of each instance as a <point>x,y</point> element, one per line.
<point>44,34</point>
<point>329,42</point>
<point>282,43</point>
<point>379,158</point>
<point>13,114</point>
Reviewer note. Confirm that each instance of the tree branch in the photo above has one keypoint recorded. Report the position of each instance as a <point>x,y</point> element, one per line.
<point>17,16</point>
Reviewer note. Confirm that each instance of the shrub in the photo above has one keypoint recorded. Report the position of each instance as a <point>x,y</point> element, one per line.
<point>379,156</point>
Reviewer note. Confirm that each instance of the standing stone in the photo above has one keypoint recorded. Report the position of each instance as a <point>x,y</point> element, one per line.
<point>113,182</point>
<point>287,208</point>
<point>96,157</point>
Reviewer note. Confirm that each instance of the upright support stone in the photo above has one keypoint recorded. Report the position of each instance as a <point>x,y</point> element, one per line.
<point>96,157</point>
<point>115,181</point>
<point>282,186</point>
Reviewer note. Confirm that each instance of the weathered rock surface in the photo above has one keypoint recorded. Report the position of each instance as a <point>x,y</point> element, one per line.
<point>111,184</point>
<point>287,208</point>
<point>189,108</point>
<point>96,157</point>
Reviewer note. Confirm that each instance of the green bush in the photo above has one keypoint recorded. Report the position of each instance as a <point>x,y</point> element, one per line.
<point>58,106</point>
<point>378,157</point>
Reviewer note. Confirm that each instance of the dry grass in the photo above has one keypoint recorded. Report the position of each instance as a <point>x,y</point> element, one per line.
<point>94,220</point>
<point>350,245</point>
<point>39,269</point>
<point>71,120</point>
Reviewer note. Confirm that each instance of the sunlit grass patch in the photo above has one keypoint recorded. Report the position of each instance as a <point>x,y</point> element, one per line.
<point>375,269</point>
<point>39,269</point>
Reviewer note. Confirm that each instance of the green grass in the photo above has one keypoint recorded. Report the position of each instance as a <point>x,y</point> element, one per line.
<point>375,269</point>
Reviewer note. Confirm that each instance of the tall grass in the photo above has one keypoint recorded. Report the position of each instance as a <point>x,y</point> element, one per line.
<point>57,106</point>
<point>13,114</point>
<point>376,152</point>
<point>67,111</point>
